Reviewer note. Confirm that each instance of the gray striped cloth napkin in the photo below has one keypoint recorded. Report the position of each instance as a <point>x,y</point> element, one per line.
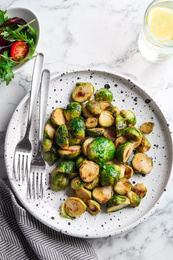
<point>22,237</point>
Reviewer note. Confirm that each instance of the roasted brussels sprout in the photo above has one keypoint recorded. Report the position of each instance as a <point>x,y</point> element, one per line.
<point>85,144</point>
<point>134,198</point>
<point>109,174</point>
<point>57,117</point>
<point>74,206</point>
<point>106,119</point>
<point>120,124</point>
<point>72,152</point>
<point>110,133</point>
<point>47,144</point>
<point>82,92</point>
<point>91,122</point>
<point>85,111</point>
<point>122,166</point>
<point>73,110</point>
<point>77,126</point>
<point>104,94</point>
<point>103,194</point>
<point>95,132</point>
<point>94,107</point>
<point>120,140</point>
<point>79,161</point>
<point>147,127</point>
<point>77,183</point>
<point>129,116</point>
<point>58,180</point>
<point>88,171</point>
<point>93,207</point>
<point>113,110</point>
<point>117,202</point>
<point>91,185</point>
<point>72,139</point>
<point>122,186</point>
<point>104,105</point>
<point>49,131</point>
<point>51,156</point>
<point>128,173</point>
<point>66,167</point>
<point>144,146</point>
<point>64,213</point>
<point>101,150</point>
<point>140,189</point>
<point>83,194</point>
<point>61,137</point>
<point>142,163</point>
<point>124,151</point>
<point>133,134</point>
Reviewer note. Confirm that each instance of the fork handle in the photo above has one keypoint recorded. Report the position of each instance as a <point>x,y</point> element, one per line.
<point>38,65</point>
<point>44,91</point>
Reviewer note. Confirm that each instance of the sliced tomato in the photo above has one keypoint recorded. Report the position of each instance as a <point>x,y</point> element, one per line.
<point>19,50</point>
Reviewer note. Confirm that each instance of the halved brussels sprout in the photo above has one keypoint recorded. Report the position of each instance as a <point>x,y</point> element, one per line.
<point>88,171</point>
<point>128,173</point>
<point>91,185</point>
<point>120,140</point>
<point>129,116</point>
<point>142,163</point>
<point>122,186</point>
<point>122,166</point>
<point>91,122</point>
<point>104,94</point>
<point>82,92</point>
<point>49,131</point>
<point>83,194</point>
<point>85,111</point>
<point>66,167</point>
<point>72,152</point>
<point>79,161</point>
<point>105,105</point>
<point>144,146</point>
<point>124,151</point>
<point>77,183</point>
<point>58,180</point>
<point>117,202</point>
<point>64,213</point>
<point>134,198</point>
<point>95,132</point>
<point>147,127</point>
<point>72,139</point>
<point>120,124</point>
<point>74,206</point>
<point>57,117</point>
<point>73,110</point>
<point>103,194</point>
<point>140,189</point>
<point>110,133</point>
<point>93,207</point>
<point>85,144</point>
<point>47,144</point>
<point>106,119</point>
<point>94,107</point>
<point>51,156</point>
<point>109,174</point>
<point>77,126</point>
<point>113,110</point>
<point>101,150</point>
<point>133,134</point>
<point>61,137</point>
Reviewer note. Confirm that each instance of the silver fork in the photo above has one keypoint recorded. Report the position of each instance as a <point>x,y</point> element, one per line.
<point>23,150</point>
<point>36,181</point>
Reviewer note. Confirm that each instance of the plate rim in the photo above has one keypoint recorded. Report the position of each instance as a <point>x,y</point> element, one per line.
<point>147,214</point>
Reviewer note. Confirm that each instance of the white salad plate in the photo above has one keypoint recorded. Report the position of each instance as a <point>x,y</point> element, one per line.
<point>127,95</point>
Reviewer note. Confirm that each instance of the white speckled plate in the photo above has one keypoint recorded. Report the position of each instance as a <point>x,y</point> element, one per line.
<point>127,95</point>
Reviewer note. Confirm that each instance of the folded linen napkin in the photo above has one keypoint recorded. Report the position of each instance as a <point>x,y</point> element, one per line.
<point>23,237</point>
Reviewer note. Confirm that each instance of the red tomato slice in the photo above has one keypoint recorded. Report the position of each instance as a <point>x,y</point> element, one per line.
<point>19,50</point>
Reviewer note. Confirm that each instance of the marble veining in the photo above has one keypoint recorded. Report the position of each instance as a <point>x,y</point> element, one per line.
<point>100,35</point>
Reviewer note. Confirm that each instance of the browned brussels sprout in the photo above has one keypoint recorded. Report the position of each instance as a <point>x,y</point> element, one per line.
<point>110,133</point>
<point>47,144</point>
<point>109,174</point>
<point>120,124</point>
<point>144,146</point>
<point>104,94</point>
<point>140,189</point>
<point>85,144</point>
<point>123,152</point>
<point>103,194</point>
<point>73,110</point>
<point>117,202</point>
<point>147,127</point>
<point>51,156</point>
<point>113,110</point>
<point>83,91</point>
<point>85,111</point>
<point>88,171</point>
<point>83,194</point>
<point>77,126</point>
<point>128,172</point>
<point>58,180</point>
<point>93,207</point>
<point>91,122</point>
<point>72,139</point>
<point>129,116</point>
<point>77,183</point>
<point>94,107</point>
<point>134,199</point>
<point>91,185</point>
<point>74,207</point>
<point>142,163</point>
<point>120,140</point>
<point>61,137</point>
<point>133,134</point>
<point>67,167</point>
<point>95,132</point>
<point>72,152</point>
<point>79,161</point>
<point>105,105</point>
<point>49,131</point>
<point>57,117</point>
<point>106,119</point>
<point>123,186</point>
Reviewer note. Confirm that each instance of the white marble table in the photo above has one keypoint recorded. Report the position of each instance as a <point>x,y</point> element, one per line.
<point>102,35</point>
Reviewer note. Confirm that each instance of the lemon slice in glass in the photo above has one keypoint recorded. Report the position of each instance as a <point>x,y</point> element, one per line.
<point>160,23</point>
